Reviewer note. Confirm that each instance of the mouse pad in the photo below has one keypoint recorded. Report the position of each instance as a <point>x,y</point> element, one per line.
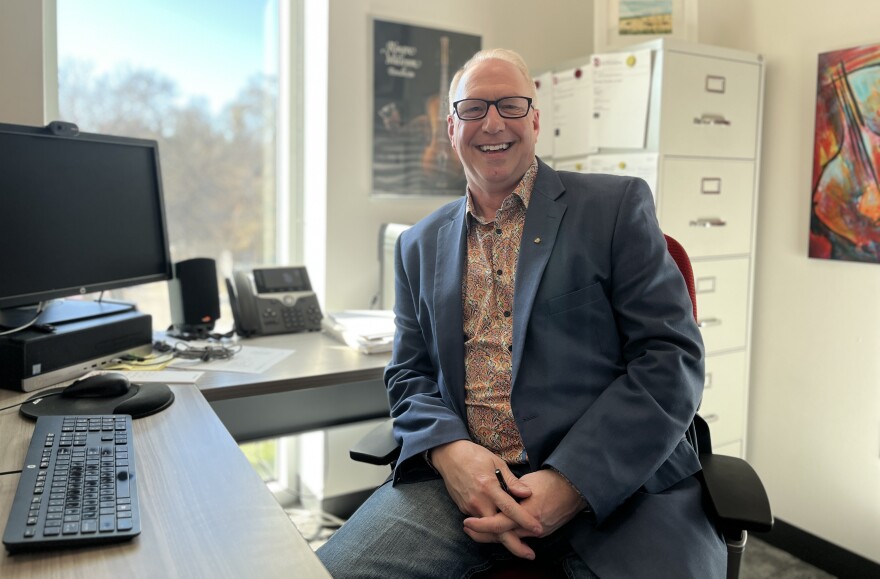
<point>140,400</point>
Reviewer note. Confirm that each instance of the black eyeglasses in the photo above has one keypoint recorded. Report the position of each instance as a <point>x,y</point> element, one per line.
<point>515,107</point>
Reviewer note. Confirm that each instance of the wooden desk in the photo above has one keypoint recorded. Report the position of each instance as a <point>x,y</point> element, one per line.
<point>323,383</point>
<point>204,510</point>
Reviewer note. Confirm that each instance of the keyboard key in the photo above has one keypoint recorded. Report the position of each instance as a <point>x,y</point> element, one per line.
<point>107,523</point>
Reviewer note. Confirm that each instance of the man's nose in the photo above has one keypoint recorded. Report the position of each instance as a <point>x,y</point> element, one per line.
<point>493,121</point>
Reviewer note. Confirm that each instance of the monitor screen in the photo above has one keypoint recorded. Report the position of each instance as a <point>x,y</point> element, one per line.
<point>78,214</point>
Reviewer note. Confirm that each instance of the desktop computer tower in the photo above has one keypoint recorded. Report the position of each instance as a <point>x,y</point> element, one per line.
<point>33,358</point>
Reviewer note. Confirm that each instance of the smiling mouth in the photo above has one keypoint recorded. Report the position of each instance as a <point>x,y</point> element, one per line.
<point>494,148</point>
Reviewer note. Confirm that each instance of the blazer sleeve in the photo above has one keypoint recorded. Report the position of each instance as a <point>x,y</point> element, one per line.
<point>631,435</point>
<point>423,419</point>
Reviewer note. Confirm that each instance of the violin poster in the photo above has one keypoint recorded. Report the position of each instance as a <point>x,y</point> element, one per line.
<point>412,68</point>
<point>845,214</point>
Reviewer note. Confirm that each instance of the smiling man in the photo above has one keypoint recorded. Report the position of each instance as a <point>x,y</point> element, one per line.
<point>545,369</point>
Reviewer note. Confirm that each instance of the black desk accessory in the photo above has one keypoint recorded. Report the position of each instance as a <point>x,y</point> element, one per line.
<point>140,400</point>
<point>77,485</point>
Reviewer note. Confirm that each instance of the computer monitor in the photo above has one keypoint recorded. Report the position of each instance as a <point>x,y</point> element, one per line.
<point>79,213</point>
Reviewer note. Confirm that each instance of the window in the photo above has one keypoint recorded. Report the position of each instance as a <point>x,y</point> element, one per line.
<point>210,80</point>
<point>202,78</point>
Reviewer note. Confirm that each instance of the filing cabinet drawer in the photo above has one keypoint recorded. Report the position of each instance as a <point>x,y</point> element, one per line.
<point>723,406</point>
<point>707,205</point>
<point>709,106</point>
<point>722,302</point>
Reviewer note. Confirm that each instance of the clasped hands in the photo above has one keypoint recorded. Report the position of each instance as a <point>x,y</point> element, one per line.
<point>533,506</point>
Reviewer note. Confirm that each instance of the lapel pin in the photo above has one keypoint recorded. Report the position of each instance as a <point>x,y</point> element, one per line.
<point>537,240</point>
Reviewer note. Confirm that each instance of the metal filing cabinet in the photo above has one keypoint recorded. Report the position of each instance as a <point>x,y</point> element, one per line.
<point>704,123</point>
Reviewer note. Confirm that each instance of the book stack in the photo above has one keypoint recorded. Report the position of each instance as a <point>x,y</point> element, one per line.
<point>368,331</point>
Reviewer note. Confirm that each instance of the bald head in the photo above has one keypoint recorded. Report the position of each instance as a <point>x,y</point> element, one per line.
<point>492,54</point>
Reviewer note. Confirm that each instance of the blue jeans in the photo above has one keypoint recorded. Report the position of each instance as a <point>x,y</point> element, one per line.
<point>415,530</point>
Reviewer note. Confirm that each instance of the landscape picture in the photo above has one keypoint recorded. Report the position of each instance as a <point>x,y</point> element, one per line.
<point>645,17</point>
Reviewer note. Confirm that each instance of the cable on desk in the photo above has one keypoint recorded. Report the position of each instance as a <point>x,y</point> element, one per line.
<point>14,405</point>
<point>205,353</point>
<point>43,327</point>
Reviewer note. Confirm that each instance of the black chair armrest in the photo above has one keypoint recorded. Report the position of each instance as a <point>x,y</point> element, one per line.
<point>736,493</point>
<point>378,446</point>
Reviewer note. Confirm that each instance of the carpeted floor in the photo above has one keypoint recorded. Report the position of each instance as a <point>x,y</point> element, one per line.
<point>763,561</point>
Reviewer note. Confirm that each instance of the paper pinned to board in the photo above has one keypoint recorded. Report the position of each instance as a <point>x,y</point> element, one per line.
<point>572,112</point>
<point>621,90</point>
<point>644,165</point>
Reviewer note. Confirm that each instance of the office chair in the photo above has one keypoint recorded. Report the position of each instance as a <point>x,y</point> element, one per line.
<point>733,491</point>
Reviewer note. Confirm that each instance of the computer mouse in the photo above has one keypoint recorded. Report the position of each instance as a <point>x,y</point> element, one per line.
<point>98,386</point>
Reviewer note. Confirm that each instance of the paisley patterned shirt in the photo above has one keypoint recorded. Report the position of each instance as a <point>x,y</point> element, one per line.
<point>487,298</point>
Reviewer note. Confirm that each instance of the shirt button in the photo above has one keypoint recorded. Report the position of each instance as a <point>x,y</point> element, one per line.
<point>506,314</point>
<point>499,272</point>
<point>498,231</point>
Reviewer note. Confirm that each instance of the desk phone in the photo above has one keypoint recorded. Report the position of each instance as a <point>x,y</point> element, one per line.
<point>273,300</point>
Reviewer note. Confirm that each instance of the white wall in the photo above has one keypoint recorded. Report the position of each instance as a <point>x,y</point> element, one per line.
<point>814,422</point>
<point>21,56</point>
<point>543,33</point>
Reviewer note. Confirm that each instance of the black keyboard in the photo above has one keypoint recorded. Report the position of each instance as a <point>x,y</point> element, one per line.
<point>77,486</point>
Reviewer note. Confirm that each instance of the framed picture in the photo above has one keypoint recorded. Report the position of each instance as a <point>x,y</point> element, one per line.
<point>845,208</point>
<point>619,23</point>
<point>412,68</point>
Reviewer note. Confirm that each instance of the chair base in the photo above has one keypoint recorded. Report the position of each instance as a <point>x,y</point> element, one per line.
<point>735,548</point>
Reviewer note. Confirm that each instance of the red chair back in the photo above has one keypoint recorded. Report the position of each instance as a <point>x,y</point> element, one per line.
<point>684,265</point>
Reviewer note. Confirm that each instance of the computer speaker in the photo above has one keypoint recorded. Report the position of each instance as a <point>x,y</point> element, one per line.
<point>195,297</point>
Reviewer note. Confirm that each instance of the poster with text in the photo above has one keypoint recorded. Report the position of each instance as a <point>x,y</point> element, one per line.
<point>412,68</point>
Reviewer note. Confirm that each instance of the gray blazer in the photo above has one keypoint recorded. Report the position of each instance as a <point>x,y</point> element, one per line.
<point>607,363</point>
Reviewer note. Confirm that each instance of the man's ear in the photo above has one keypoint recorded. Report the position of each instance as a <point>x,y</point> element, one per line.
<point>450,130</point>
<point>536,121</point>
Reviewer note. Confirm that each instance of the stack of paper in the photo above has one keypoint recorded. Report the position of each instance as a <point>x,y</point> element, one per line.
<point>369,331</point>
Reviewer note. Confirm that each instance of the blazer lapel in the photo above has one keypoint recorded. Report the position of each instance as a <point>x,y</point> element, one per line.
<point>543,218</point>
<point>448,268</point>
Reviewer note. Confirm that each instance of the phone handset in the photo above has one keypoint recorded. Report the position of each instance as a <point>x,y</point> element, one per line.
<point>242,301</point>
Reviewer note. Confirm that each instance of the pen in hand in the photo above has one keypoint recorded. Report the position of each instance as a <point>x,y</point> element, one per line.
<point>500,478</point>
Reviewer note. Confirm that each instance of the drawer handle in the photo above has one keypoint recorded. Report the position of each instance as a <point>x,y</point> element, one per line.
<point>709,322</point>
<point>712,222</point>
<point>710,418</point>
<point>709,119</point>
<point>710,186</point>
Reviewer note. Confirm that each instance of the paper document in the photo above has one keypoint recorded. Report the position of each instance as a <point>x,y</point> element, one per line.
<point>621,91</point>
<point>572,109</point>
<point>642,165</point>
<point>369,331</point>
<point>249,359</point>
<point>577,165</point>
<point>544,103</point>
<point>163,376</point>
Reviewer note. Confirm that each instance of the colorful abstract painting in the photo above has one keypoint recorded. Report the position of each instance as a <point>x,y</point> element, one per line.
<point>845,214</point>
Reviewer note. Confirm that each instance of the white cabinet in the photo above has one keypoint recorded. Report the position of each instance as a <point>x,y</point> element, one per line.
<point>704,124</point>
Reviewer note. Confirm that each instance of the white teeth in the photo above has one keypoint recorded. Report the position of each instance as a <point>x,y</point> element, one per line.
<point>501,147</point>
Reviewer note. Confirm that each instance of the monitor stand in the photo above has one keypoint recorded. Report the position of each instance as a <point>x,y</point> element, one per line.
<point>62,312</point>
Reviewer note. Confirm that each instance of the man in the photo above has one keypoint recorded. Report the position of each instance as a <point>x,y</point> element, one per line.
<point>543,331</point>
